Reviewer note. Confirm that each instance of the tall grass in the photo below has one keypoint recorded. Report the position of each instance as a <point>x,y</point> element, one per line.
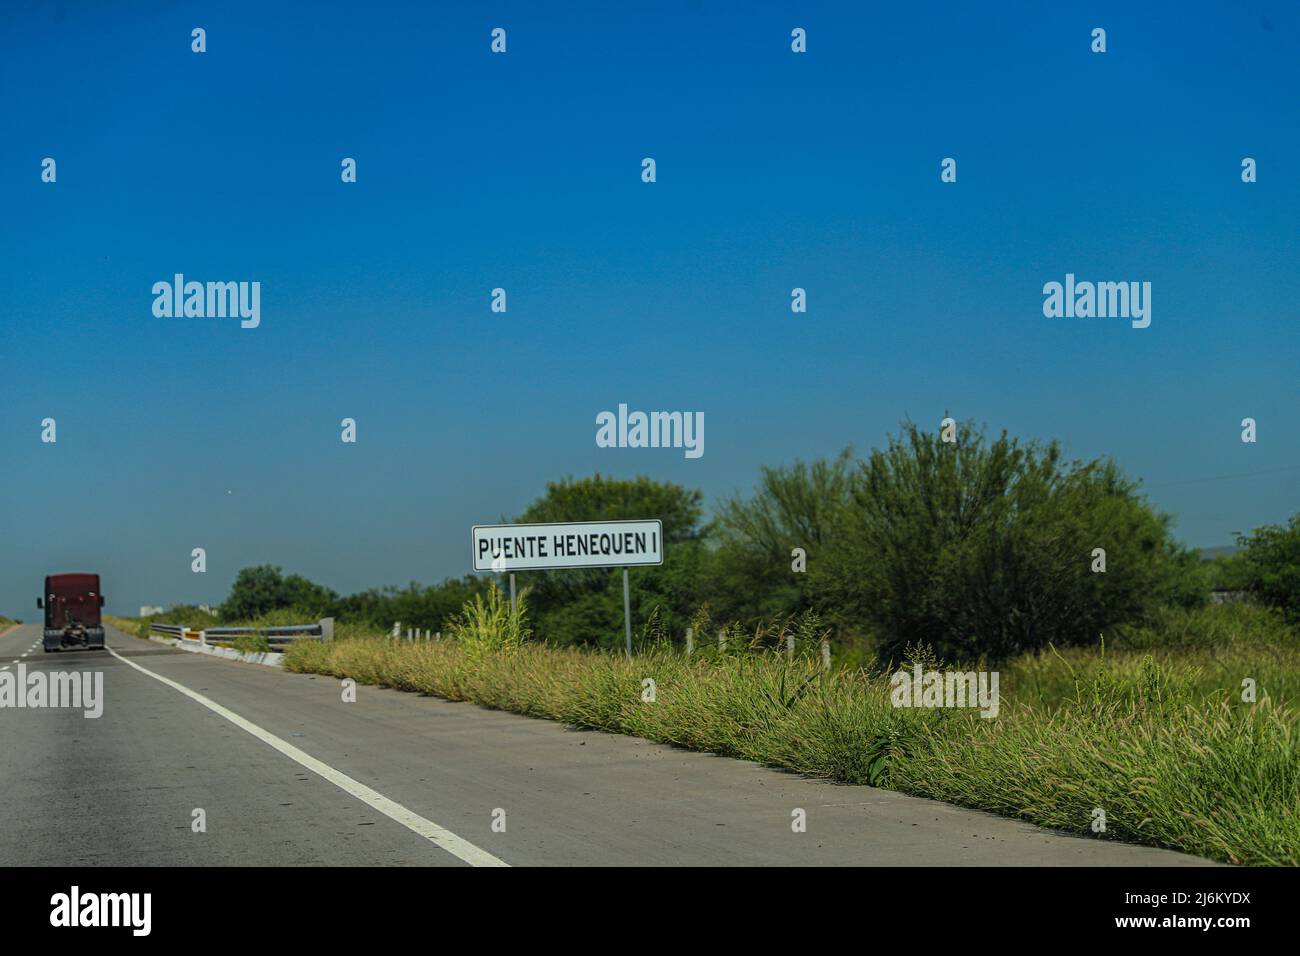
<point>1204,655</point>
<point>1166,748</point>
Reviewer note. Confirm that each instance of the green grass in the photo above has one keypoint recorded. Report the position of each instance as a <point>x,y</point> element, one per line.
<point>1203,655</point>
<point>1156,736</point>
<point>250,644</point>
<point>127,625</point>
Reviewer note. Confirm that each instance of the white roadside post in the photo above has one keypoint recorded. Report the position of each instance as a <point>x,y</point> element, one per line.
<point>570,544</point>
<point>690,641</point>
<point>627,614</point>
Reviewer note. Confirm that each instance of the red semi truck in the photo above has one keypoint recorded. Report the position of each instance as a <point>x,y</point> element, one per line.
<point>72,603</point>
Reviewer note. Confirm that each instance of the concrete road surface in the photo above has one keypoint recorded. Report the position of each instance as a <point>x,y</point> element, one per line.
<point>394,778</point>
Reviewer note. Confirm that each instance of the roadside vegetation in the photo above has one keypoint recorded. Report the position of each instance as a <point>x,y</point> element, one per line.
<point>986,547</point>
<point>1137,680</point>
<point>1162,743</point>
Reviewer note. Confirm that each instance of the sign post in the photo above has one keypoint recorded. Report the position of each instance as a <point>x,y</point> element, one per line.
<point>627,614</point>
<point>578,544</point>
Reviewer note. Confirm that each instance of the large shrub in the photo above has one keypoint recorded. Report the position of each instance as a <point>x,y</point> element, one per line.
<point>428,607</point>
<point>266,588</point>
<point>986,548</point>
<point>1269,566</point>
<point>799,506</point>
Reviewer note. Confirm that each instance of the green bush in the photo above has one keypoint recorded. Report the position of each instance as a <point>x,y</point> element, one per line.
<point>1213,626</point>
<point>1269,566</point>
<point>986,548</point>
<point>424,607</point>
<point>488,623</point>
<point>797,506</point>
<point>265,588</point>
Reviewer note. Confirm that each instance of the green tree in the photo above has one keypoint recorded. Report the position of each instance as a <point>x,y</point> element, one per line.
<point>1269,566</point>
<point>429,607</point>
<point>258,590</point>
<point>797,506</point>
<point>986,548</point>
<point>585,606</point>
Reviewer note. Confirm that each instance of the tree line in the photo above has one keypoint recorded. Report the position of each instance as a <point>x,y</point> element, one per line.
<point>979,547</point>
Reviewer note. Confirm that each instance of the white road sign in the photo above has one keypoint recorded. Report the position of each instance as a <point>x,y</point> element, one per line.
<point>582,544</point>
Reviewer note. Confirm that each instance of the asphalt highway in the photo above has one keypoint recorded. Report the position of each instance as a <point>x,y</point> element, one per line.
<point>286,772</point>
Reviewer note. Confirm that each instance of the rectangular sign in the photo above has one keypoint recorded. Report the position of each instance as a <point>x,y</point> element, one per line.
<point>581,544</point>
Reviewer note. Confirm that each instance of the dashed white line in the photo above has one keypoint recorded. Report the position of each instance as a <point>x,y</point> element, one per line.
<point>435,834</point>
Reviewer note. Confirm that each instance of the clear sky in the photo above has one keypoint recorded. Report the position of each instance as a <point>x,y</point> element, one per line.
<point>523,171</point>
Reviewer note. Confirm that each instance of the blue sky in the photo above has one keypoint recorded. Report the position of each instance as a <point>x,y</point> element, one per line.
<point>522,170</point>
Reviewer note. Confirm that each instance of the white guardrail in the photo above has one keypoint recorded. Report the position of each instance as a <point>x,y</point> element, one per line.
<point>322,630</point>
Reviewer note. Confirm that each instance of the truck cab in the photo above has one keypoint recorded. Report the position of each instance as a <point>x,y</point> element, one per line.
<point>72,604</point>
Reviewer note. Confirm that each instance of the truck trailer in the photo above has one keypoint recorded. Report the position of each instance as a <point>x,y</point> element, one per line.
<point>72,603</point>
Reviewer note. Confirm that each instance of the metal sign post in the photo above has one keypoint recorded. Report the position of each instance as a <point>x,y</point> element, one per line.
<point>512,592</point>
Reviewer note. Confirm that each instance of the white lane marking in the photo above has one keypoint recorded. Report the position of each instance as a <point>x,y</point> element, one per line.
<point>439,836</point>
